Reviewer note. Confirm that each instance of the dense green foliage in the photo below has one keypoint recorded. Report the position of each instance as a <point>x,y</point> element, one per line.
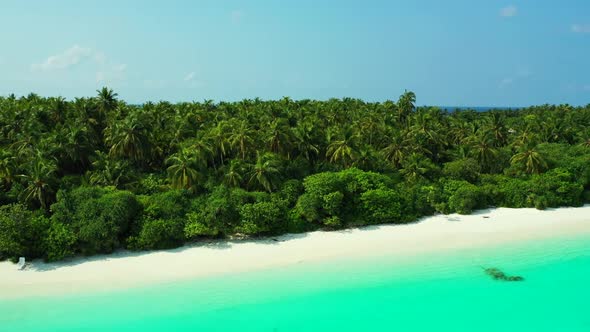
<point>92,175</point>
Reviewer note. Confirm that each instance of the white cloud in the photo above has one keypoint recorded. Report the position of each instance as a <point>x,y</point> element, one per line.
<point>237,16</point>
<point>70,57</point>
<point>581,28</point>
<point>106,71</point>
<point>586,87</point>
<point>112,74</point>
<point>190,76</point>
<point>509,11</point>
<point>100,58</point>
<point>521,73</point>
<point>120,67</point>
<point>507,81</point>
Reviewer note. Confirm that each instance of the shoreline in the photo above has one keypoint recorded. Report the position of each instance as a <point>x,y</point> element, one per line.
<point>435,234</point>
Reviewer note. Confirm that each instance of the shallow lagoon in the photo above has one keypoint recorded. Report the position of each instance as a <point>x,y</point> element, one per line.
<point>442,292</point>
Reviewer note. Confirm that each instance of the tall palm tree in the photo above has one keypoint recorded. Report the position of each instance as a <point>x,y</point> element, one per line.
<point>396,149</point>
<point>530,159</point>
<point>342,148</point>
<point>77,144</point>
<point>241,138</point>
<point>525,138</point>
<point>107,101</point>
<point>107,171</point>
<point>39,180</point>
<point>425,133</point>
<point>203,148</point>
<point>496,126</point>
<point>482,149</point>
<point>278,137</point>
<point>234,176</point>
<point>415,167</point>
<point>129,139</point>
<point>7,167</point>
<point>304,141</point>
<point>221,143</point>
<point>265,172</point>
<point>373,124</point>
<point>405,107</point>
<point>183,170</point>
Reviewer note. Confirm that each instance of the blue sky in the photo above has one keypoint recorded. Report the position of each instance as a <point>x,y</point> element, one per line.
<point>453,52</point>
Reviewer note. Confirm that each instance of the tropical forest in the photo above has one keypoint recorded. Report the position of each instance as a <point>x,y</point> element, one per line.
<point>94,175</point>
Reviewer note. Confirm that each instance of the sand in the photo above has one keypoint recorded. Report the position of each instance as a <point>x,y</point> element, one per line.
<point>430,235</point>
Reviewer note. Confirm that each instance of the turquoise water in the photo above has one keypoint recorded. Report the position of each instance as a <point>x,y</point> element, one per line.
<point>443,292</point>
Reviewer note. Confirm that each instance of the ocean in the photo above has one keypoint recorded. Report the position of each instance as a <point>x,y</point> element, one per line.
<point>446,291</point>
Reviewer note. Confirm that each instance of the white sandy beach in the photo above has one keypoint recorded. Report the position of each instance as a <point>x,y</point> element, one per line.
<point>432,234</point>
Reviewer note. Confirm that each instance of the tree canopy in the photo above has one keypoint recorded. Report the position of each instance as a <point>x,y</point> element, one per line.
<point>92,175</point>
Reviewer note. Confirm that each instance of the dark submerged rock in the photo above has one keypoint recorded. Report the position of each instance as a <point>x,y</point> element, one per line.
<point>497,274</point>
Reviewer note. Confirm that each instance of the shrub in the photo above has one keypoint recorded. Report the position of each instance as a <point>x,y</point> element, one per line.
<point>261,218</point>
<point>381,206</point>
<point>462,169</point>
<point>158,234</point>
<point>101,218</point>
<point>13,221</point>
<point>21,232</point>
<point>59,243</point>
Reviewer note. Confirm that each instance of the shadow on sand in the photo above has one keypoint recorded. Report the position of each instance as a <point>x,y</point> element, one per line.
<point>225,244</point>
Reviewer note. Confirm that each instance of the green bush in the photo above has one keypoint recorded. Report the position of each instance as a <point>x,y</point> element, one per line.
<point>262,218</point>
<point>466,198</point>
<point>195,227</point>
<point>13,222</point>
<point>22,232</point>
<point>101,218</point>
<point>337,199</point>
<point>462,169</point>
<point>381,206</point>
<point>158,234</point>
<point>456,196</point>
<point>60,242</point>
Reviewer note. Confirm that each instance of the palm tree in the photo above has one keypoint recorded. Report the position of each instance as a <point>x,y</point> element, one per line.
<point>482,149</point>
<point>107,101</point>
<point>405,107</point>
<point>425,133</point>
<point>58,108</point>
<point>460,130</point>
<point>530,159</point>
<point>496,127</point>
<point>525,138</point>
<point>7,167</point>
<point>584,137</point>
<point>304,141</point>
<point>203,149</point>
<point>415,167</point>
<point>395,149</point>
<point>219,136</point>
<point>109,172</point>
<point>373,124</point>
<point>367,158</point>
<point>265,172</point>
<point>342,147</point>
<point>278,137</point>
<point>241,138</point>
<point>39,179</point>
<point>77,144</point>
<point>129,139</point>
<point>183,170</point>
<point>233,177</point>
